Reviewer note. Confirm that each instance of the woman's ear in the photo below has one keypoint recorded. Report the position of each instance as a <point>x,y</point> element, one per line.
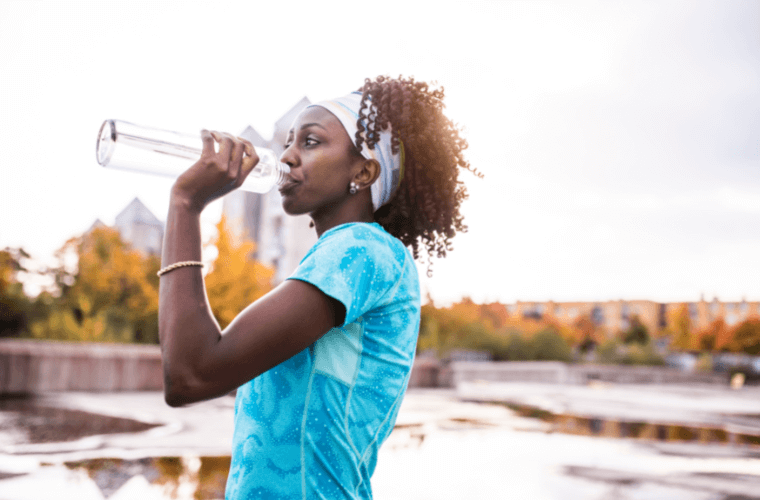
<point>369,172</point>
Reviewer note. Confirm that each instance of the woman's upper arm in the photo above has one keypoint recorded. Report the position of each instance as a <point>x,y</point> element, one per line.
<point>274,328</point>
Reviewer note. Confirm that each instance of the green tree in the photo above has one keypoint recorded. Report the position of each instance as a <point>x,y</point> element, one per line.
<point>549,345</point>
<point>609,351</point>
<point>14,305</point>
<point>429,337</point>
<point>636,333</point>
<point>518,348</point>
<point>641,354</point>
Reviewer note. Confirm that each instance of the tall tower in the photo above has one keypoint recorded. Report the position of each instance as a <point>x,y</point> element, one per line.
<point>140,228</point>
<point>281,240</point>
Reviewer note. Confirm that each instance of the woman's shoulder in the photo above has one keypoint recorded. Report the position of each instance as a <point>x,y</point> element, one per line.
<point>370,236</point>
<point>357,245</point>
<point>358,230</point>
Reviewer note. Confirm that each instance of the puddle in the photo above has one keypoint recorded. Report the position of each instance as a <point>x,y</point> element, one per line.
<point>201,478</point>
<point>589,426</point>
<point>29,421</point>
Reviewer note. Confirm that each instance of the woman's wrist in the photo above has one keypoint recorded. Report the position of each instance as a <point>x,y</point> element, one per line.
<point>181,200</point>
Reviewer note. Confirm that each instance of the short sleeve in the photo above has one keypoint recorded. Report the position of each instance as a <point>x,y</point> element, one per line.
<point>356,264</point>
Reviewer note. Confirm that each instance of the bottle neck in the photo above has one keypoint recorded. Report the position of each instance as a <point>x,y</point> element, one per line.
<point>282,173</point>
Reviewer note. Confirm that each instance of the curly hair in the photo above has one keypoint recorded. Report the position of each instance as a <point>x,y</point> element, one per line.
<point>424,211</point>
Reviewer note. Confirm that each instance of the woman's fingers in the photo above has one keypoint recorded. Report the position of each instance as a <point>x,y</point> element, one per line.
<point>225,147</point>
<point>236,156</point>
<point>208,143</point>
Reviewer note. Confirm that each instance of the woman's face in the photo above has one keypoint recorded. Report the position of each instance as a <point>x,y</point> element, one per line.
<point>322,161</point>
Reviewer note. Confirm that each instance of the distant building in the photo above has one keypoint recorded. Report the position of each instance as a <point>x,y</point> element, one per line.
<point>140,228</point>
<point>281,240</point>
<point>702,313</point>
<point>616,315</point>
<point>95,225</point>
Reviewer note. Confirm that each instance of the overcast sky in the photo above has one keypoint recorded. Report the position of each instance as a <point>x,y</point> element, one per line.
<point>620,140</point>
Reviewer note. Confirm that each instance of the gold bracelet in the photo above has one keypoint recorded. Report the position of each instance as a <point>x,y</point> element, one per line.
<point>178,265</point>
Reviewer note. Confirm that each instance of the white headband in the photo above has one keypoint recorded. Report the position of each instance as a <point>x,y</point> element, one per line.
<point>346,109</point>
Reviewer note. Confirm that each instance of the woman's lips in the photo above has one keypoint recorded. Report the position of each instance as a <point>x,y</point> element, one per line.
<point>287,187</point>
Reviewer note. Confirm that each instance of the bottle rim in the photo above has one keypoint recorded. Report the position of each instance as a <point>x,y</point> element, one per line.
<point>106,142</point>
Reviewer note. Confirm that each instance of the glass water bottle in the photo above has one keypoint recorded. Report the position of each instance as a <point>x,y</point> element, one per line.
<point>126,146</point>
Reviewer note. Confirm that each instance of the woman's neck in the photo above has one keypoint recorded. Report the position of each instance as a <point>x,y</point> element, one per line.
<point>357,210</point>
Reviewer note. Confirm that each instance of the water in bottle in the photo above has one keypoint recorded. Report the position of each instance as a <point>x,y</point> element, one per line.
<point>126,146</point>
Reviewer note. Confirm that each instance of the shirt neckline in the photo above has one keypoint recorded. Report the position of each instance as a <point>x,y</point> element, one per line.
<point>347,224</point>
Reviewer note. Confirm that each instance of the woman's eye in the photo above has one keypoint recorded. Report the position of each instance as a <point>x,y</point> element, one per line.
<point>310,142</point>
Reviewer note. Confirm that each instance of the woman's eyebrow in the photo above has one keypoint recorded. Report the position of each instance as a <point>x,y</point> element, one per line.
<point>307,125</point>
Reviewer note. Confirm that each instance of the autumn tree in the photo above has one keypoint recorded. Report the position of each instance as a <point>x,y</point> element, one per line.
<point>490,328</point>
<point>110,295</point>
<point>236,279</point>
<point>587,334</point>
<point>746,337</point>
<point>715,336</point>
<point>679,328</point>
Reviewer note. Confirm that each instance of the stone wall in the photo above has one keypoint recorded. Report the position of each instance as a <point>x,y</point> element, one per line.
<point>28,366</point>
<point>430,373</point>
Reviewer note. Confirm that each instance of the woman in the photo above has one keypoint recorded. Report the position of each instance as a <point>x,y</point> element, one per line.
<point>322,362</point>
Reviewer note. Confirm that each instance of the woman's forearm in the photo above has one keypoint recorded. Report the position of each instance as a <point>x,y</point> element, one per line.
<point>187,328</point>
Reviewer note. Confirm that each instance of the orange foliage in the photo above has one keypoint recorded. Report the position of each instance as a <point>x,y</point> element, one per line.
<point>745,337</point>
<point>679,328</point>
<point>235,280</point>
<point>586,331</point>
<point>494,314</point>
<point>113,296</point>
<point>715,336</point>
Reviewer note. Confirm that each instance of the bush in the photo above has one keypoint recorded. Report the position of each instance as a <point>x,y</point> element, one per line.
<point>475,336</point>
<point>637,333</point>
<point>548,345</point>
<point>637,354</point>
<point>609,352</point>
<point>515,349</point>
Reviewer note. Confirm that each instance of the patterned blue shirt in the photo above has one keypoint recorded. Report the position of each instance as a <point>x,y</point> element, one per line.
<point>311,426</point>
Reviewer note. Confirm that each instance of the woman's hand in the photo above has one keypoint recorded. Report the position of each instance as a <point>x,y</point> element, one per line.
<point>217,172</point>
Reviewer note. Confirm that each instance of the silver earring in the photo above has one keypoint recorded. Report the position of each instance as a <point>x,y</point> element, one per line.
<point>353,188</point>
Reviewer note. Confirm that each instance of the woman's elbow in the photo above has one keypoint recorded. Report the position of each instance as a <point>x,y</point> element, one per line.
<point>174,400</point>
<point>178,392</point>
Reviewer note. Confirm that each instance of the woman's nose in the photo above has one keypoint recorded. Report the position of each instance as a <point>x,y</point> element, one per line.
<point>287,157</point>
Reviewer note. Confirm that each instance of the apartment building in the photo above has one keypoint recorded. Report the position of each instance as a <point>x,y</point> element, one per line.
<point>615,316</point>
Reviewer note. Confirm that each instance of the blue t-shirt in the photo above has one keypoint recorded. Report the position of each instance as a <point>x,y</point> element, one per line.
<point>311,426</point>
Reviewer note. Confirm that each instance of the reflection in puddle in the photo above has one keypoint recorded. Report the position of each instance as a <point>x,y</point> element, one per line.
<point>588,426</point>
<point>29,421</point>
<point>201,478</point>
<point>194,477</point>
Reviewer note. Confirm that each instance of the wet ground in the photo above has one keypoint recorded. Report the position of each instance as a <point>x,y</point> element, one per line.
<point>484,441</point>
<point>33,420</point>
